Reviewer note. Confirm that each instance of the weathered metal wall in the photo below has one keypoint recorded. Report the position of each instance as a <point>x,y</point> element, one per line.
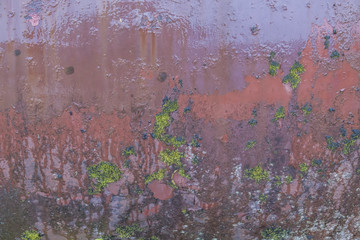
<point>86,82</point>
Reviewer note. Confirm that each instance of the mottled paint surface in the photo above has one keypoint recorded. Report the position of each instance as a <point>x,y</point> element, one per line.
<point>80,81</point>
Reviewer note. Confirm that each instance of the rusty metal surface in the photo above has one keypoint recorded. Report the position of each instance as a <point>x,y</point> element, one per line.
<point>81,81</point>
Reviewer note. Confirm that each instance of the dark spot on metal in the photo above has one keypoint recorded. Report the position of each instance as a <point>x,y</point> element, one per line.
<point>343,131</point>
<point>255,29</point>
<point>17,52</point>
<point>69,70</point>
<point>162,76</point>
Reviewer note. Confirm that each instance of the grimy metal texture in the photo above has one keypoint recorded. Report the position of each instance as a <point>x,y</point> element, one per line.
<point>197,90</point>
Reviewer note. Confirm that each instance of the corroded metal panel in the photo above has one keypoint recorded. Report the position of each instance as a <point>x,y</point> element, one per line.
<point>179,119</point>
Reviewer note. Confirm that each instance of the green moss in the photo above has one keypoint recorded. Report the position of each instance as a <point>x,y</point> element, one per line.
<point>289,179</point>
<point>30,235</point>
<point>171,157</point>
<point>159,175</point>
<point>303,169</point>
<point>103,173</point>
<point>335,54</point>
<point>307,109</point>
<point>293,77</point>
<point>250,144</point>
<point>128,151</point>
<point>263,198</point>
<point>128,231</point>
<point>274,233</point>
<point>278,181</point>
<point>257,173</point>
<point>331,144</point>
<point>280,113</point>
<point>252,122</point>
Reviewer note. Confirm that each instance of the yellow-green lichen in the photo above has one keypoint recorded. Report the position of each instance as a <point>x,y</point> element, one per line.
<point>331,144</point>
<point>289,179</point>
<point>274,233</point>
<point>335,54</point>
<point>162,122</point>
<point>154,238</point>
<point>327,42</point>
<point>348,146</point>
<point>128,151</point>
<point>159,175</point>
<point>293,77</point>
<point>307,109</point>
<point>278,181</point>
<point>252,122</point>
<point>101,175</point>
<point>183,173</point>
<point>128,231</point>
<point>30,235</point>
<point>303,169</point>
<point>195,160</point>
<point>280,113</point>
<point>263,198</point>
<point>250,144</point>
<point>184,211</point>
<point>172,140</point>
<point>169,106</point>
<point>171,157</point>
<point>173,185</point>
<point>195,142</point>
<point>257,173</point>
<point>274,66</point>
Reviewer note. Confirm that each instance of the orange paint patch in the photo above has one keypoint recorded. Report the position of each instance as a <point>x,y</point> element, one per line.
<point>161,190</point>
<point>238,105</point>
<point>305,148</point>
<point>209,205</point>
<point>180,181</point>
<point>151,210</point>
